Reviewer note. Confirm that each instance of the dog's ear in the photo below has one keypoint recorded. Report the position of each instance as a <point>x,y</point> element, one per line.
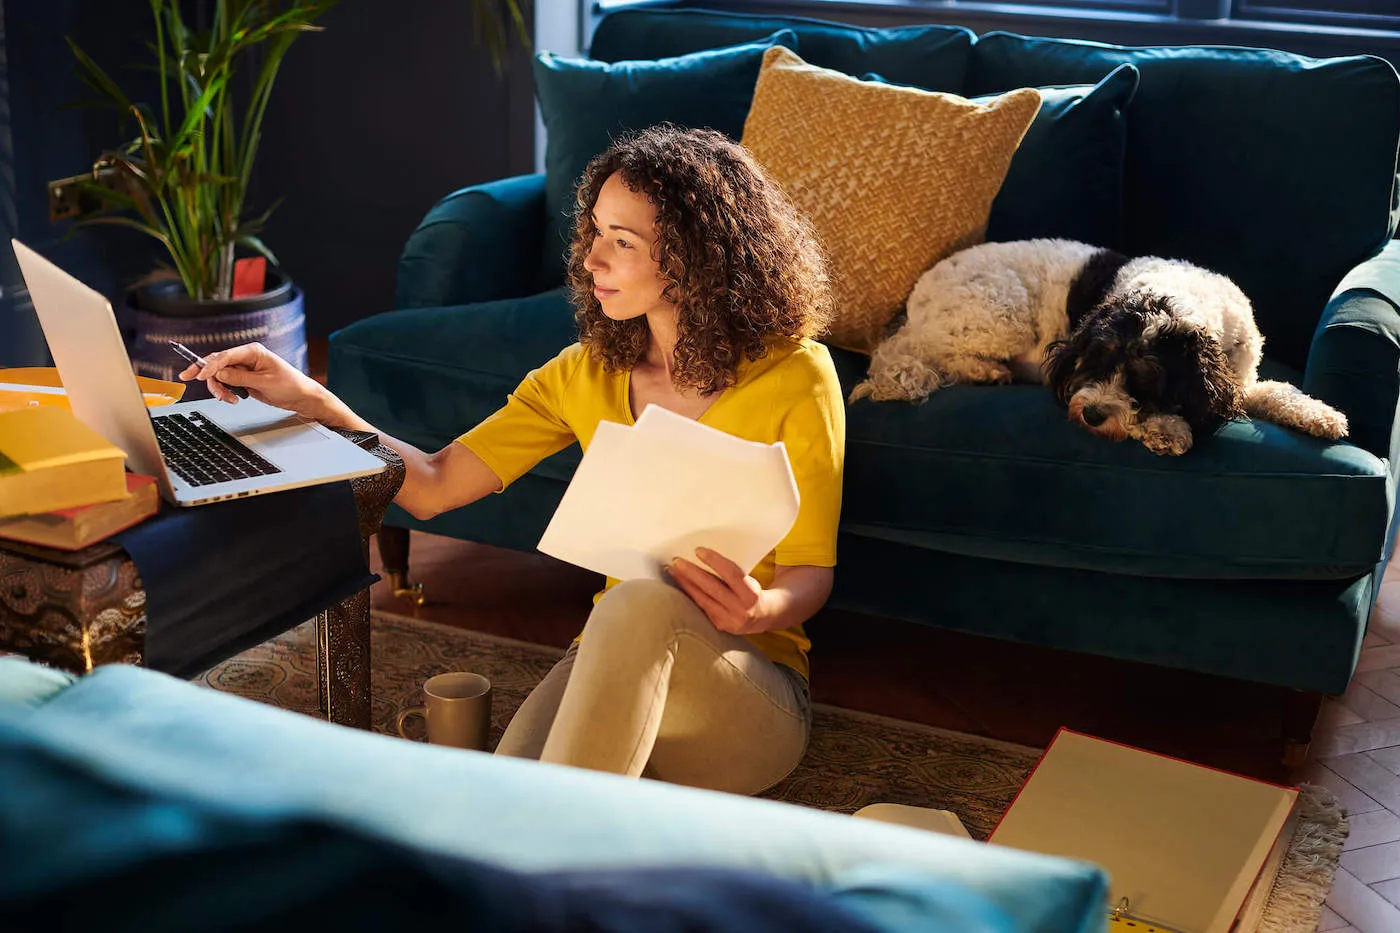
<point>1061,359</point>
<point>1198,369</point>
<point>1223,395</point>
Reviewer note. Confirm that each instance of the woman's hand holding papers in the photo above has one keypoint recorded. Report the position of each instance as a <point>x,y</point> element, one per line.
<point>734,601</point>
<point>737,603</point>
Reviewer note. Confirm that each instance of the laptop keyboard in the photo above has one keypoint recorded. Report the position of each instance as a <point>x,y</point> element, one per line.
<point>200,452</point>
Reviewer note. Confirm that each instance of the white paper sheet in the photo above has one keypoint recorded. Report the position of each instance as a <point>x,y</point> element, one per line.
<point>646,494</point>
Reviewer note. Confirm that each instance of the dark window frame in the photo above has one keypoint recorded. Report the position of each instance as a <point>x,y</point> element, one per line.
<point>1266,14</point>
<point>1270,11</point>
<point>1155,7</point>
<point>1182,22</point>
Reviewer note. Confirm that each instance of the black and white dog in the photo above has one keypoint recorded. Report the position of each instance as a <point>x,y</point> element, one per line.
<point>1153,349</point>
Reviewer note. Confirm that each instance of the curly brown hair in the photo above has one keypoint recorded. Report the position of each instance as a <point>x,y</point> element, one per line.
<point>741,265</point>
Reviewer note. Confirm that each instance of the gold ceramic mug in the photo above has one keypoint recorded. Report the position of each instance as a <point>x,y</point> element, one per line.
<point>458,710</point>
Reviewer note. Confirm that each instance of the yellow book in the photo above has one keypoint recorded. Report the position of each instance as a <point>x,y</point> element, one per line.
<point>50,460</point>
<point>1182,843</point>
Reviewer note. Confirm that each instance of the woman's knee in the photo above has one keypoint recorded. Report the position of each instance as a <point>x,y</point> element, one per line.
<point>634,608</point>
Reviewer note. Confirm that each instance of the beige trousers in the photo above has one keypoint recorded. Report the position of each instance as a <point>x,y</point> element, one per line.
<point>654,689</point>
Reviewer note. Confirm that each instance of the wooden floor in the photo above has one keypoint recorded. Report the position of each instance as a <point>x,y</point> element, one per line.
<point>1021,694</point>
<point>1356,752</point>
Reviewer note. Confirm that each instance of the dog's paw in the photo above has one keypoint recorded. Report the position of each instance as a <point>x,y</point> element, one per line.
<point>1166,436</point>
<point>1165,446</point>
<point>976,370</point>
<point>1286,405</point>
<point>1330,425</point>
<point>897,376</point>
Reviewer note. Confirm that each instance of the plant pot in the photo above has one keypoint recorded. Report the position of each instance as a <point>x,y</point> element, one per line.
<point>161,312</point>
<point>168,298</point>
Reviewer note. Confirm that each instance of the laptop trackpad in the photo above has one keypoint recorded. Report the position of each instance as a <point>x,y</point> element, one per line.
<point>288,436</point>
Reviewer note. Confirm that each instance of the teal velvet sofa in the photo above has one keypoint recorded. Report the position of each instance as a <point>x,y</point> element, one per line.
<point>137,802</point>
<point>1256,556</point>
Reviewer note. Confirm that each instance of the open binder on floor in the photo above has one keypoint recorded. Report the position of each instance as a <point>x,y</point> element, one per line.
<point>1188,849</point>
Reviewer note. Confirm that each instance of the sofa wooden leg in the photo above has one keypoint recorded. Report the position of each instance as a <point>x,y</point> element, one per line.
<point>1300,710</point>
<point>393,553</point>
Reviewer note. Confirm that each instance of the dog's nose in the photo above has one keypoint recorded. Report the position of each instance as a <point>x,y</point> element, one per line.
<point>1093,417</point>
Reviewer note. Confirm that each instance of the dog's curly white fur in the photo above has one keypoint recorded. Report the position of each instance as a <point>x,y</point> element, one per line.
<point>1152,349</point>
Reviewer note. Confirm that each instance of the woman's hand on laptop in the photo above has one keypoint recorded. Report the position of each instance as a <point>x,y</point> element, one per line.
<point>268,378</point>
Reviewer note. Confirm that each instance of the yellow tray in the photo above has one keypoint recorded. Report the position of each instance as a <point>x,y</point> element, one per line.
<point>40,385</point>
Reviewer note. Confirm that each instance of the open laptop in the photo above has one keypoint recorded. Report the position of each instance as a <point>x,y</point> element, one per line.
<point>199,452</point>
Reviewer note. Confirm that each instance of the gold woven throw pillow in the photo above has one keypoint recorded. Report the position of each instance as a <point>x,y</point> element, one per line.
<point>893,179</point>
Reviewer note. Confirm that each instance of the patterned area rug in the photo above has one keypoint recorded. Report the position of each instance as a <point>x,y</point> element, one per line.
<point>854,758</point>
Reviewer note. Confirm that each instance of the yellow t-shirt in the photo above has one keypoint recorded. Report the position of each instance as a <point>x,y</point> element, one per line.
<point>791,395</point>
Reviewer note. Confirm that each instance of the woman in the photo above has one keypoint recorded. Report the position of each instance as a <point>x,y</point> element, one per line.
<point>698,288</point>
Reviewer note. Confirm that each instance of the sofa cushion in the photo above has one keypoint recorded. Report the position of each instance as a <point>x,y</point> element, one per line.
<point>168,739</point>
<point>28,684</point>
<point>930,57</point>
<point>1274,169</point>
<point>1066,178</point>
<point>586,104</point>
<point>999,472</point>
<point>893,179</point>
<point>427,374</point>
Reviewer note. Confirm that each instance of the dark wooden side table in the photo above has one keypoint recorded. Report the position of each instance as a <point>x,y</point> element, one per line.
<point>75,610</point>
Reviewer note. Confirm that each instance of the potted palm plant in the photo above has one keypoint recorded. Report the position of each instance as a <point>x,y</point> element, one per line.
<point>183,180</point>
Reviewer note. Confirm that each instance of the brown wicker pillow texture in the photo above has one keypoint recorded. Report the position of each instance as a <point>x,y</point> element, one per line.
<point>893,179</point>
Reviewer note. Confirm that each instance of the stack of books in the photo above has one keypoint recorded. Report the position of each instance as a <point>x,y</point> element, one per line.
<point>62,484</point>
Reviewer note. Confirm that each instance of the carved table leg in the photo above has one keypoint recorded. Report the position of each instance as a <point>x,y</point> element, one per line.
<point>343,630</point>
<point>342,661</point>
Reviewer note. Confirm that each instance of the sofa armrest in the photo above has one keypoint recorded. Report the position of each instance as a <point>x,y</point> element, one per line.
<point>477,244</point>
<point>167,739</point>
<point>1354,363</point>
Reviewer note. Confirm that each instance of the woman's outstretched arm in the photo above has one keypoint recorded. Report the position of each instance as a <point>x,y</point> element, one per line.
<point>433,483</point>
